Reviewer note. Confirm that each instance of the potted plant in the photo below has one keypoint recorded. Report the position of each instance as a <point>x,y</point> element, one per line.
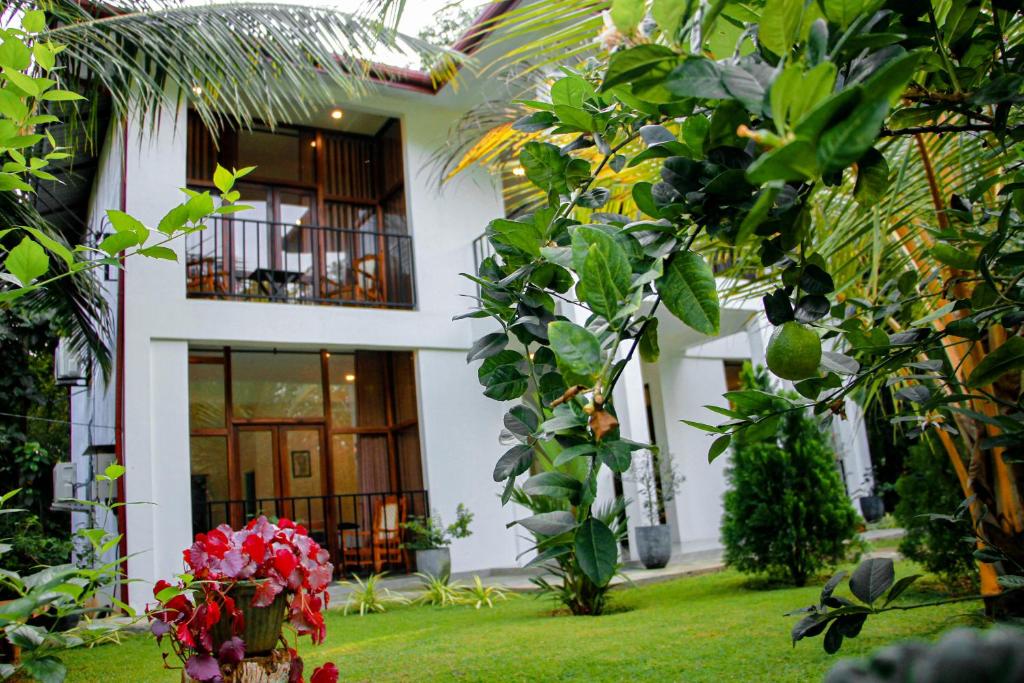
<point>871,506</point>
<point>430,540</point>
<point>238,590</point>
<point>657,483</point>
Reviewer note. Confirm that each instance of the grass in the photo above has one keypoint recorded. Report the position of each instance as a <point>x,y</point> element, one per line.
<point>715,627</point>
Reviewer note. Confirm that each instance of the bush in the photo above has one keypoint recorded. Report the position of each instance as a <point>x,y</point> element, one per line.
<point>929,485</point>
<point>786,511</point>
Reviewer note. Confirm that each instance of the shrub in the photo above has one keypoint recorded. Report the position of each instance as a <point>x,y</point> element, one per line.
<point>786,512</point>
<point>929,485</point>
<point>427,533</point>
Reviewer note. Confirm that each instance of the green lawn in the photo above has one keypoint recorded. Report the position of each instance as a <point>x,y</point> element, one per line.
<point>707,628</point>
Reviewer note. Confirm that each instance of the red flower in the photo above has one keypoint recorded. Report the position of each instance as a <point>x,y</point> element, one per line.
<point>254,547</point>
<point>284,562</point>
<point>328,673</point>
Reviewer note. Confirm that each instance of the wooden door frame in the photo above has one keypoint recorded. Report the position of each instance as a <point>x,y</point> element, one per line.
<point>278,432</point>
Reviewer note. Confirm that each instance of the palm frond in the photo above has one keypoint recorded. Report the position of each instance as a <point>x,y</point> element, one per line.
<point>237,62</point>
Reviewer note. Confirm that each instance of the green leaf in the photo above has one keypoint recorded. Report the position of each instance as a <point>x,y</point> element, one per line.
<point>780,22</point>
<point>617,455</point>
<point>900,587</point>
<point>627,14</point>
<point>649,350</point>
<point>159,252</point>
<point>669,15</point>
<point>10,181</point>
<point>842,12</point>
<point>871,579</point>
<point>122,222</point>
<point>697,77</point>
<point>514,462</point>
<point>174,220</point>
<point>795,162</point>
<point>61,96</point>
<point>626,65</point>
<point>872,178</point>
<point>199,206</point>
<point>117,242</point>
<point>44,55</point>
<point>605,276</point>
<point>596,551</point>
<point>553,484</point>
<point>522,236</point>
<point>53,245</point>
<point>222,178</point>
<point>45,669</point>
<point>549,523</point>
<point>521,421</point>
<point>888,82</point>
<point>573,452</point>
<point>15,55</point>
<point>505,383</point>
<point>577,351</point>
<point>487,346</point>
<point>21,81</point>
<point>34,21</point>
<point>27,261</point>
<point>1006,358</point>
<point>954,257</point>
<point>718,447</point>
<point>545,166</point>
<point>689,292</point>
<point>506,357</point>
<point>846,142</point>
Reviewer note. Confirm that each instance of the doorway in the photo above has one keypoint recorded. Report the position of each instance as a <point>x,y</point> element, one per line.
<point>282,471</point>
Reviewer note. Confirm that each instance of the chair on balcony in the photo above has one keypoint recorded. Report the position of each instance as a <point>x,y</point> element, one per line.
<point>206,274</point>
<point>382,545</point>
<point>368,271</point>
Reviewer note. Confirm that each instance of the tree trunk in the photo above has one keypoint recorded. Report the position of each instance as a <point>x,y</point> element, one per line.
<point>273,668</point>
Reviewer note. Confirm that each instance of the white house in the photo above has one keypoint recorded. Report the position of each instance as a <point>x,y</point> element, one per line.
<point>300,359</point>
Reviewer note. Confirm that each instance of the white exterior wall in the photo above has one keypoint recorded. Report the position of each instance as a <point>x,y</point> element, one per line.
<point>458,425</point>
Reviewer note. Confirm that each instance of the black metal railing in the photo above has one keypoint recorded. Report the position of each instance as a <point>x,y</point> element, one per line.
<point>250,260</point>
<point>362,531</point>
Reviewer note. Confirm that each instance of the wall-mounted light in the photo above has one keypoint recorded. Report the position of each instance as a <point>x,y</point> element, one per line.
<point>313,144</point>
<point>350,377</point>
<point>337,114</point>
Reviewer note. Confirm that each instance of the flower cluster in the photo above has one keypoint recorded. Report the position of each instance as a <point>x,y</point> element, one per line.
<point>280,559</point>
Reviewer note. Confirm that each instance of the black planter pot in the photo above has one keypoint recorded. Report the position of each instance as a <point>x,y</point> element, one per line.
<point>654,545</point>
<point>872,507</point>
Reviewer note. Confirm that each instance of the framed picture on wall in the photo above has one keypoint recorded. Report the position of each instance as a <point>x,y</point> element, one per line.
<point>302,465</point>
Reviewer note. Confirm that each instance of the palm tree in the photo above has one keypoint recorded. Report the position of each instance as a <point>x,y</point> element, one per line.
<point>232,63</point>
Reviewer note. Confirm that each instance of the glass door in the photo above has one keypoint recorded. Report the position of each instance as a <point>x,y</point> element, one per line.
<point>281,472</point>
<point>302,478</point>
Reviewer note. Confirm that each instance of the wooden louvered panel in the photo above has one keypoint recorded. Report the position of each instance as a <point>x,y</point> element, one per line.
<point>201,158</point>
<point>350,167</point>
<point>350,216</point>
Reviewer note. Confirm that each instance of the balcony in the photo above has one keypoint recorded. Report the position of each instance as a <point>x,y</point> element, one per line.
<point>253,260</point>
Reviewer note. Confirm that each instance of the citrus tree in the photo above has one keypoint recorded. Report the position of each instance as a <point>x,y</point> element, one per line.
<point>759,130</point>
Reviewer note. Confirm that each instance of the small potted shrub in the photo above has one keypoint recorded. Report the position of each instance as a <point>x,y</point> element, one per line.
<point>871,506</point>
<point>657,483</point>
<point>430,540</point>
<point>238,590</point>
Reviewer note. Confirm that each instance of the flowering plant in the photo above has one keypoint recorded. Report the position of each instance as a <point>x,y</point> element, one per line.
<point>278,559</point>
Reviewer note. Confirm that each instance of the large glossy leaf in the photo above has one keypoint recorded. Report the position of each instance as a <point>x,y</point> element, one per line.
<point>689,292</point>
<point>577,351</point>
<point>780,21</point>
<point>847,141</point>
<point>507,382</point>
<point>514,462</point>
<point>871,579</point>
<point>553,484</point>
<point>872,177</point>
<point>549,523</point>
<point>626,65</point>
<point>605,277</point>
<point>1006,358</point>
<point>626,14</point>
<point>596,551</point>
<point>487,346</point>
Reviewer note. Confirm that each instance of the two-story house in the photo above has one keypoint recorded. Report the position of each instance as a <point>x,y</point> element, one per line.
<point>300,359</point>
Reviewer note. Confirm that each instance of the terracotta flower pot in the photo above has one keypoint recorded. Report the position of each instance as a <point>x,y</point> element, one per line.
<point>263,625</point>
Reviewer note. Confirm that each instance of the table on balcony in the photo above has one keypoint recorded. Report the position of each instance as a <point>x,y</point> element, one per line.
<point>274,281</point>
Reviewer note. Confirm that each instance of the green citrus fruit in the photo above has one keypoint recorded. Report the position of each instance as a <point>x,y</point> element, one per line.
<point>794,352</point>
